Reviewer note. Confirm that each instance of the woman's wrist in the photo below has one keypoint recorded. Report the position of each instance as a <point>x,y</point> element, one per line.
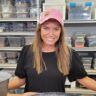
<point>11,94</point>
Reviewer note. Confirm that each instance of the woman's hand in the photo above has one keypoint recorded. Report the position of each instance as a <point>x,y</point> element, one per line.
<point>29,93</point>
<point>24,94</point>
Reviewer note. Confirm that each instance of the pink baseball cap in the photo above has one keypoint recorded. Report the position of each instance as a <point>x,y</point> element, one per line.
<point>51,14</point>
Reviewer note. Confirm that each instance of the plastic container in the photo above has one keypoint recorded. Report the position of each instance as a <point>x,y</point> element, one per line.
<point>2,57</point>
<point>11,55</point>
<point>31,26</point>
<point>87,61</point>
<point>28,40</point>
<point>0,11</point>
<point>33,12</point>
<point>80,10</point>
<point>11,61</point>
<point>4,79</point>
<point>91,40</point>
<point>2,41</point>
<point>21,8</point>
<point>5,26</point>
<point>79,40</point>
<point>68,40</point>
<point>6,13</point>
<point>14,41</point>
<point>7,8</point>
<point>33,3</point>
<point>17,26</point>
<point>94,65</point>
<point>22,15</point>
<point>1,29</point>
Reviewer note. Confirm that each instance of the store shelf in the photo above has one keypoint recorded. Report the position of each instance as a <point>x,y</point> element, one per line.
<point>79,90</point>
<point>91,71</point>
<point>17,33</point>
<point>8,66</point>
<point>85,49</point>
<point>79,21</point>
<point>10,48</point>
<point>19,49</point>
<point>17,19</point>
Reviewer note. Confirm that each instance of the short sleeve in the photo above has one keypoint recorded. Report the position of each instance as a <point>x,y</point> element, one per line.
<point>20,63</point>
<point>77,70</point>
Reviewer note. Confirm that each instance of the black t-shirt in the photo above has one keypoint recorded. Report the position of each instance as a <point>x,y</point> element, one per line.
<point>51,80</point>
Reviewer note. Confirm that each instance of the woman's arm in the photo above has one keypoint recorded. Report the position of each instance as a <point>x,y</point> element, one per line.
<point>15,82</point>
<point>9,94</point>
<point>88,83</point>
<point>24,94</point>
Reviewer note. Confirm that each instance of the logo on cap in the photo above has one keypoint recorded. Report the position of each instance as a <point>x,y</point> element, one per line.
<point>46,13</point>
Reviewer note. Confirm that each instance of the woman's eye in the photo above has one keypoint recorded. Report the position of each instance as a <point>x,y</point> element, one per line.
<point>56,29</point>
<point>46,28</point>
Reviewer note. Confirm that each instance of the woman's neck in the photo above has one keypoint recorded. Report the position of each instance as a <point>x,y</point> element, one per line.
<point>48,48</point>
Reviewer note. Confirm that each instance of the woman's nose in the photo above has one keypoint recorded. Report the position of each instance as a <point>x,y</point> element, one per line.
<point>51,32</point>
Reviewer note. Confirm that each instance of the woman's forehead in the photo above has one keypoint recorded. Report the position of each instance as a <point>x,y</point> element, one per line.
<point>51,21</point>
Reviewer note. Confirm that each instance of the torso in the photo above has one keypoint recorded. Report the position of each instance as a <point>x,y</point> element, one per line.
<point>49,80</point>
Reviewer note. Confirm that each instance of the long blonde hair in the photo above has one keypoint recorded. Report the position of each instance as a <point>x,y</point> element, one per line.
<point>63,53</point>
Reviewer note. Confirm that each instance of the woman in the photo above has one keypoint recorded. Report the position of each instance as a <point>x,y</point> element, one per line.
<point>44,65</point>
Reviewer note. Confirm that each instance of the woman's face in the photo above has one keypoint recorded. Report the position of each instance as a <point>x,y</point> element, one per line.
<point>50,32</point>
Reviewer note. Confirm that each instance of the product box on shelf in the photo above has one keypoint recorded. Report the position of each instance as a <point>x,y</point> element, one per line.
<point>7,11</point>
<point>15,41</point>
<point>94,65</point>
<point>31,26</point>
<point>11,57</point>
<point>17,26</point>
<point>68,40</point>
<point>78,40</point>
<point>28,40</point>
<point>1,29</point>
<point>33,12</point>
<point>0,12</point>
<point>21,8</point>
<point>91,40</point>
<point>11,61</point>
<point>7,8</point>
<point>2,41</point>
<point>2,57</point>
<point>11,54</point>
<point>95,13</point>
<point>80,10</point>
<point>87,62</point>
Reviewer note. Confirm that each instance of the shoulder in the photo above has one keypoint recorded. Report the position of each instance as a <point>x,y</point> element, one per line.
<point>75,58</point>
<point>74,53</point>
<point>26,48</point>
